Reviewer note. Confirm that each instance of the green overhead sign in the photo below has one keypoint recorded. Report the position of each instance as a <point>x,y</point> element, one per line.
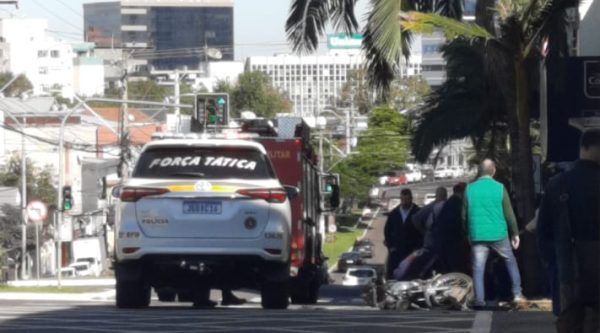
<point>343,41</point>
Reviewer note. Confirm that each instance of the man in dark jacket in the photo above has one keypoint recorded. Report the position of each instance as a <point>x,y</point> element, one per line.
<point>401,236</point>
<point>419,264</point>
<point>568,227</point>
<point>450,242</point>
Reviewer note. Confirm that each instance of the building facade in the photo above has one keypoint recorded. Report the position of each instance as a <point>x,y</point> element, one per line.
<point>168,34</point>
<point>26,49</point>
<point>312,83</point>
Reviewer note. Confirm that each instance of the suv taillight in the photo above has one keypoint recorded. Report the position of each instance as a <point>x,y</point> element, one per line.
<point>133,194</point>
<point>276,195</point>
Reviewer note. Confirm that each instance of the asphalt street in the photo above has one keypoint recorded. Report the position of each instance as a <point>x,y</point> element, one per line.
<point>340,309</point>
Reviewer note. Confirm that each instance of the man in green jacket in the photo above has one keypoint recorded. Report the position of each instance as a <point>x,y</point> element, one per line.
<point>490,219</point>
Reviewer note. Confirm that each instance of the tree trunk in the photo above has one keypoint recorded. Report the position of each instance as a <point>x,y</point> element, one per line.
<point>484,14</point>
<point>522,180</point>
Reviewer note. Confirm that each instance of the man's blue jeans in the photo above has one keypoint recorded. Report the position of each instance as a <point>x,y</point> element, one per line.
<point>479,255</point>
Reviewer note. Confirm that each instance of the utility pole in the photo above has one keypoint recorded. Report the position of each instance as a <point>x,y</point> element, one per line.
<point>176,94</point>
<point>23,200</point>
<point>348,138</point>
<point>124,167</point>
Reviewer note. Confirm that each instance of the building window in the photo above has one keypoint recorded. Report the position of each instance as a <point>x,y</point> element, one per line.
<point>54,53</point>
<point>42,54</point>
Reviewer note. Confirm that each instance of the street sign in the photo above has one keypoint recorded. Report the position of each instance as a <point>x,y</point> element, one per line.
<point>37,211</point>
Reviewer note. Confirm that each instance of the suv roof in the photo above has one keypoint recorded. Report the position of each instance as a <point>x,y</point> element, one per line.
<point>206,143</point>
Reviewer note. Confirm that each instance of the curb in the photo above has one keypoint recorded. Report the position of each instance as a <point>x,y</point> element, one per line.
<point>104,296</point>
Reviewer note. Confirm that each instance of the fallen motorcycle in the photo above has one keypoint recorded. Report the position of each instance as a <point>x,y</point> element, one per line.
<point>452,291</point>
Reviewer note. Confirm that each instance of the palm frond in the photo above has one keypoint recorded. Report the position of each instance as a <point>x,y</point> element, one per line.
<point>425,23</point>
<point>343,16</point>
<point>385,43</point>
<point>306,23</point>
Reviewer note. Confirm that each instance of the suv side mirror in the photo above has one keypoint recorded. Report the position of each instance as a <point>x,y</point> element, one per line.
<point>291,191</point>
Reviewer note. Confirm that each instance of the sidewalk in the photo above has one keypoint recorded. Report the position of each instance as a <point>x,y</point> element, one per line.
<point>82,282</point>
<point>104,284</point>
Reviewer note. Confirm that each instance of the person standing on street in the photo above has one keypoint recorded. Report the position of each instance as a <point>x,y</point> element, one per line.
<point>420,262</point>
<point>450,243</point>
<point>401,236</point>
<point>568,238</point>
<point>490,220</point>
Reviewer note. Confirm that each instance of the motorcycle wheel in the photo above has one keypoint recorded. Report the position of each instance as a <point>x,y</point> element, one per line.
<point>446,282</point>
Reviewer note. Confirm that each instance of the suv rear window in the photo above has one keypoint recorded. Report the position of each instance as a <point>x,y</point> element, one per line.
<point>203,162</point>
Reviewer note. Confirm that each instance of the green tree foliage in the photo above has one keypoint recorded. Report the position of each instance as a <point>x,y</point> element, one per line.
<point>382,147</point>
<point>39,187</point>
<point>408,92</point>
<point>39,180</point>
<point>404,93</point>
<point>254,92</point>
<point>20,85</point>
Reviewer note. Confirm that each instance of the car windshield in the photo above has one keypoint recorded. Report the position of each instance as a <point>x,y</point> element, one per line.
<point>363,273</point>
<point>203,162</point>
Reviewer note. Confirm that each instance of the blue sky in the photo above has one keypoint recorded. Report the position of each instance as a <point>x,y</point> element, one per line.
<point>259,24</point>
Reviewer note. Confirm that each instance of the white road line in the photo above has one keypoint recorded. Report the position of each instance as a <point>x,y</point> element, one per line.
<point>482,322</point>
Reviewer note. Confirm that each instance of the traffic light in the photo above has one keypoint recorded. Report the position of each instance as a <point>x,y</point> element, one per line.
<point>67,203</point>
<point>212,110</point>
<point>330,191</point>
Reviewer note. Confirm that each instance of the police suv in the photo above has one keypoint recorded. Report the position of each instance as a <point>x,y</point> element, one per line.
<point>199,214</point>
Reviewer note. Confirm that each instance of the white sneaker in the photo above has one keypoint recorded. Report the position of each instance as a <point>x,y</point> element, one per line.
<point>519,299</point>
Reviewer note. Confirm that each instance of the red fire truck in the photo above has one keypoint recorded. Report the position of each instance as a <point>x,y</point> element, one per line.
<point>296,164</point>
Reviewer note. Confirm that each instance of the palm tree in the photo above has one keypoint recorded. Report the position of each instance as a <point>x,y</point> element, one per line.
<point>508,50</point>
<point>508,69</point>
<point>384,42</point>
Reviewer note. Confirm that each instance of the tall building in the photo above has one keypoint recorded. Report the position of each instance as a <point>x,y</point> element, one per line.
<point>169,34</point>
<point>26,49</point>
<point>314,82</point>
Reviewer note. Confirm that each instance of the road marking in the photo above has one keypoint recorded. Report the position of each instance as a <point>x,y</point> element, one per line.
<point>482,322</point>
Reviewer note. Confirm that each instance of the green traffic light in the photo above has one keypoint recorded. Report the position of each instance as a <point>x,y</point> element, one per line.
<point>212,119</point>
<point>67,205</point>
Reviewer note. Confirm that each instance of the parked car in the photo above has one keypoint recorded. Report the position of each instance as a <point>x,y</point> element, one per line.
<point>348,259</point>
<point>375,194</point>
<point>67,272</point>
<point>397,178</point>
<point>359,276</point>
<point>429,198</point>
<point>81,269</point>
<point>457,172</point>
<point>442,173</point>
<point>414,176</point>
<point>364,247</point>
<point>94,263</point>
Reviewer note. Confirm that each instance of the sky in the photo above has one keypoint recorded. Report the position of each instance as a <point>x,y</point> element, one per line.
<point>258,24</point>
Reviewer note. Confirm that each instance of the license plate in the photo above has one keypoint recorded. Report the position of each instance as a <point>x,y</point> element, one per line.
<point>202,207</point>
<point>349,261</point>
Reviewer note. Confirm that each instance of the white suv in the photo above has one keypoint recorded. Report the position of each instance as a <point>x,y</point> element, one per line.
<point>199,214</point>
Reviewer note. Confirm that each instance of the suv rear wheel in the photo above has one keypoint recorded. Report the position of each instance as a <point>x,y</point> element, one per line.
<point>132,294</point>
<point>274,295</point>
